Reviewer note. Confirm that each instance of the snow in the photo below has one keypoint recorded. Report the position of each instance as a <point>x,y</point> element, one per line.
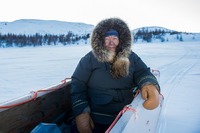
<point>28,69</point>
<point>55,27</point>
<point>42,27</point>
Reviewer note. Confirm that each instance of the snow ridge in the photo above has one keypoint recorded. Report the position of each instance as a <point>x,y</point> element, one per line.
<point>42,27</point>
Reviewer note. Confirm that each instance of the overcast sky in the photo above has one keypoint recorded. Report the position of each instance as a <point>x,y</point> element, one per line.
<point>181,15</point>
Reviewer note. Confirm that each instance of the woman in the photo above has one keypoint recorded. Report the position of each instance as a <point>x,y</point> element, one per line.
<point>103,81</point>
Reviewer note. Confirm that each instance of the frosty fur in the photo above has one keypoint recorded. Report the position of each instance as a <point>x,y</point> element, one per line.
<point>119,61</point>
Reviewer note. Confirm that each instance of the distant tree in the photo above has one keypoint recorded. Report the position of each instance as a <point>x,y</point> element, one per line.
<point>162,39</point>
<point>193,37</point>
<point>181,38</point>
<point>147,37</point>
<point>177,36</point>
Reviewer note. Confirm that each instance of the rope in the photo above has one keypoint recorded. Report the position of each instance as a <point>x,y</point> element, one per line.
<point>126,108</point>
<point>35,94</point>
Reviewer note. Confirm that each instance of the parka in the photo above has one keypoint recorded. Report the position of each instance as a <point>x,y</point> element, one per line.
<point>103,86</point>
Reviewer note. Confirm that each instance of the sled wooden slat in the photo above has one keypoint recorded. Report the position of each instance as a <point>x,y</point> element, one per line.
<point>46,108</point>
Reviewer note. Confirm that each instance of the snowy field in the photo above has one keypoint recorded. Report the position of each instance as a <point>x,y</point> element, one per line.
<point>29,69</point>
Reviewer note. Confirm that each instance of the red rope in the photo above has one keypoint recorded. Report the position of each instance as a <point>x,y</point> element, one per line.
<point>126,108</point>
<point>137,92</point>
<point>35,94</point>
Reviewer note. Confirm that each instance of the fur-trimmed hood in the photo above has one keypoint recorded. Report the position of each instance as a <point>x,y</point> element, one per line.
<point>119,61</point>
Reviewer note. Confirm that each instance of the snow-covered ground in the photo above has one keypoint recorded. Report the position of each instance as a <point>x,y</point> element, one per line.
<point>42,27</point>
<point>28,69</point>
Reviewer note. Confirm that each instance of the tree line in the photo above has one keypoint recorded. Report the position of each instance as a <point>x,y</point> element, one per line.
<point>11,40</point>
<point>147,35</point>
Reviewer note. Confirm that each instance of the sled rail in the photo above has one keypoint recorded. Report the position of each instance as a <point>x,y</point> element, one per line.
<point>24,113</point>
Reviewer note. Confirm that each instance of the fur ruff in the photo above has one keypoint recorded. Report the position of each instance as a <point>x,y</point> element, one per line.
<point>120,60</point>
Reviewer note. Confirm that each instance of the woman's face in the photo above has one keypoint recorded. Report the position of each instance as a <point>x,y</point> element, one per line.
<point>111,43</point>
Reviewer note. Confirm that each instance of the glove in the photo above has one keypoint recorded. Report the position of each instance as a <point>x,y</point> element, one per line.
<point>151,96</point>
<point>84,123</point>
